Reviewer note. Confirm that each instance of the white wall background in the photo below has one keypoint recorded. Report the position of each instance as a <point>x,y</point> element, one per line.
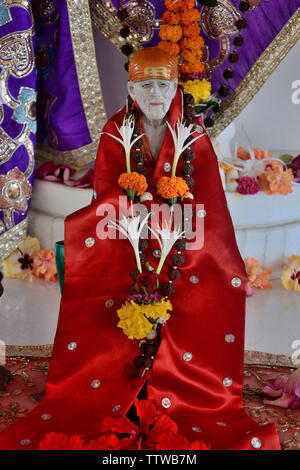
<point>271,119</point>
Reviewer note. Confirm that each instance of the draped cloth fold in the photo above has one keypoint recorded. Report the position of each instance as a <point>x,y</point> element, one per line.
<point>89,346</point>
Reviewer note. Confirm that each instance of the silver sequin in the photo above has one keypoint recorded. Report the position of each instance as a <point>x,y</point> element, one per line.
<point>116,408</point>
<point>95,194</point>
<point>95,384</point>
<point>46,416</point>
<point>166,402</point>
<point>256,443</point>
<point>227,382</point>
<point>72,346</point>
<point>167,166</point>
<point>201,213</point>
<point>196,429</point>
<point>230,338</point>
<point>221,424</point>
<point>236,281</point>
<point>187,356</point>
<point>25,442</point>
<point>194,279</point>
<point>156,253</point>
<point>109,303</point>
<point>89,242</point>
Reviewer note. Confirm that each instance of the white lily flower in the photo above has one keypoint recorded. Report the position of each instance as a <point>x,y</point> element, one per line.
<point>166,238</point>
<point>126,131</point>
<point>131,228</point>
<point>180,135</point>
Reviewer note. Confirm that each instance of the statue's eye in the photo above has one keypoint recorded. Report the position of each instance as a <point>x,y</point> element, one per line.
<point>146,85</point>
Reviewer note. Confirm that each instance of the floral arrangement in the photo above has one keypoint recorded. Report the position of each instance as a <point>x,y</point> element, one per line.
<point>261,171</point>
<point>258,277</point>
<point>145,309</point>
<point>152,431</point>
<point>291,276</point>
<point>132,182</point>
<point>180,37</point>
<point>29,261</point>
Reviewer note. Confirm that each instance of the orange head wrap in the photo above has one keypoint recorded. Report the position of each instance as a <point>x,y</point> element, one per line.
<point>152,62</point>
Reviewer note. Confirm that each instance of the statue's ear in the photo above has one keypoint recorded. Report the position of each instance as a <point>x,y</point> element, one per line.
<point>130,88</point>
<point>175,84</point>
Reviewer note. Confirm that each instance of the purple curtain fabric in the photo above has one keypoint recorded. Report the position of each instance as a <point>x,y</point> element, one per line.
<point>40,100</point>
<point>18,85</point>
<point>61,119</point>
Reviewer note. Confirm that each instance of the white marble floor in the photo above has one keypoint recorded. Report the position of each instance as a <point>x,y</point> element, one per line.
<point>29,313</point>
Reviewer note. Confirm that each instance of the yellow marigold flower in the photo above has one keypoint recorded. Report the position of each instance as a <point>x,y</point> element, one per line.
<point>171,33</point>
<point>170,187</point>
<point>19,263</point>
<point>133,317</point>
<point>291,276</point>
<point>171,48</point>
<point>200,89</point>
<point>133,181</point>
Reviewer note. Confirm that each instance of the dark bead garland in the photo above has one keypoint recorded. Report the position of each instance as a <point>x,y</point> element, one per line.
<point>149,348</point>
<point>233,57</point>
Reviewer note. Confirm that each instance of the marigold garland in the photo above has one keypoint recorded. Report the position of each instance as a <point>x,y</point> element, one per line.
<point>171,33</point>
<point>190,56</point>
<point>170,187</point>
<point>134,317</point>
<point>199,89</point>
<point>196,67</point>
<point>174,5</point>
<point>193,44</point>
<point>133,181</point>
<point>171,17</point>
<point>171,48</point>
<point>190,16</point>
<point>191,30</point>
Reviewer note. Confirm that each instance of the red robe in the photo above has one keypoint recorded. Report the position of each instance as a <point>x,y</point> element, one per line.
<point>203,314</point>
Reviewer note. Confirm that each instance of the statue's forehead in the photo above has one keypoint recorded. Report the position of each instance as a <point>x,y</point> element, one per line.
<point>155,80</point>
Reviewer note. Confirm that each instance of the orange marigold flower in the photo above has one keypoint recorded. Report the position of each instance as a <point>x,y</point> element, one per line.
<point>191,30</point>
<point>173,5</point>
<point>187,4</point>
<point>194,67</point>
<point>275,180</point>
<point>190,16</point>
<point>171,17</point>
<point>171,48</point>
<point>188,56</point>
<point>133,181</point>
<point>193,44</point>
<point>170,187</point>
<point>170,32</point>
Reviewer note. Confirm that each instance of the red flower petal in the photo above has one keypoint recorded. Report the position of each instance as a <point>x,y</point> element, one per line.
<point>119,425</point>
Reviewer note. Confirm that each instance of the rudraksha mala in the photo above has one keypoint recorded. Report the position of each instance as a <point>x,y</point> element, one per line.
<point>142,364</point>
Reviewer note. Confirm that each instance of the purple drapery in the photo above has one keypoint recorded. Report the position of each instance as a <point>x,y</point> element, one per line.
<point>47,71</point>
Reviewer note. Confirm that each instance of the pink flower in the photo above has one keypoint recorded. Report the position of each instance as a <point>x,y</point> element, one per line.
<point>286,390</point>
<point>247,185</point>
<point>62,174</point>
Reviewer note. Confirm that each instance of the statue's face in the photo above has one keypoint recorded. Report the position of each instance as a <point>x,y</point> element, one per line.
<point>154,96</point>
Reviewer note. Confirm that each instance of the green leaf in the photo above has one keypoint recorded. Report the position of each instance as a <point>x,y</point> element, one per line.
<point>286,158</point>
